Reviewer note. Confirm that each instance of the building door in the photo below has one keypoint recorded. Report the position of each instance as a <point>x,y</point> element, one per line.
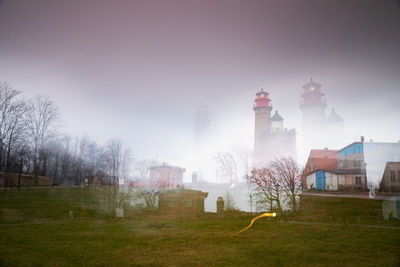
<point>321,180</point>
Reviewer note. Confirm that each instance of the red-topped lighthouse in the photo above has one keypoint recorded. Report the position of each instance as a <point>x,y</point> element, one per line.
<point>262,109</point>
<point>271,139</point>
<point>313,95</point>
<point>313,106</point>
<point>262,100</point>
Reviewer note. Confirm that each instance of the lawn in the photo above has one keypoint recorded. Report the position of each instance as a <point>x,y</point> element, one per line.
<point>37,228</point>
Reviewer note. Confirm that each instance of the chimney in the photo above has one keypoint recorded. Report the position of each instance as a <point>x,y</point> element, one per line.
<point>362,139</point>
<point>194,178</point>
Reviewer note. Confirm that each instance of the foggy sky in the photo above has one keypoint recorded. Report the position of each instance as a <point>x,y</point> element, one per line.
<point>137,69</point>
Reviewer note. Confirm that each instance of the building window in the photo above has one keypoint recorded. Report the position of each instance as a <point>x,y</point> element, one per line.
<point>358,179</point>
<point>392,176</point>
<point>188,203</point>
<point>170,202</point>
<point>398,176</point>
<point>357,163</point>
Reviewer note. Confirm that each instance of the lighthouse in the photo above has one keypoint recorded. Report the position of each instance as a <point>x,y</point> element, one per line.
<point>271,139</point>
<point>318,130</point>
<point>313,105</point>
<point>262,109</point>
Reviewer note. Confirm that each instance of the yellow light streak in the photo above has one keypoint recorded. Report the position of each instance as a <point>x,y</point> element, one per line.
<point>267,214</point>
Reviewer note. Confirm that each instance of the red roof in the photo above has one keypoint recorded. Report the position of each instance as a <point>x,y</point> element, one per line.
<point>323,153</point>
<point>321,159</point>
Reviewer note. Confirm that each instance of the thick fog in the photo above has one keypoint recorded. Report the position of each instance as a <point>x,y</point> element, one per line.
<point>137,69</point>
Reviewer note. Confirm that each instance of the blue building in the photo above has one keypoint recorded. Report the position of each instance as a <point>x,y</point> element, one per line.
<point>360,166</point>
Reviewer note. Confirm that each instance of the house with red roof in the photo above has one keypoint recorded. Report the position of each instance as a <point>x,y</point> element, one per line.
<point>319,159</point>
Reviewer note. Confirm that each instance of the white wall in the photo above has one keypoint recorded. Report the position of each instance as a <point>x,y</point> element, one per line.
<point>332,180</point>
<point>311,180</point>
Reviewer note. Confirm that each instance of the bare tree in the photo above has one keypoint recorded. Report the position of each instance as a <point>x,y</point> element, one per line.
<point>55,150</point>
<point>12,111</point>
<point>119,159</point>
<point>234,164</point>
<point>280,179</point>
<point>227,165</point>
<point>149,191</point>
<point>127,159</point>
<point>289,174</point>
<point>267,185</point>
<point>29,143</point>
<point>141,168</point>
<point>41,127</point>
<point>229,202</point>
<point>243,157</point>
<point>149,196</point>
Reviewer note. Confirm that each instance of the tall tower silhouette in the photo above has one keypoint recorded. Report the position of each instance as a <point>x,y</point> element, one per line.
<point>313,106</point>
<point>262,109</point>
<point>271,139</point>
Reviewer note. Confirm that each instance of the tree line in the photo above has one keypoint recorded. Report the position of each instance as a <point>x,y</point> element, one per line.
<point>31,143</point>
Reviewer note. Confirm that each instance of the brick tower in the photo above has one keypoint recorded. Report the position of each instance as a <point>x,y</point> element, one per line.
<point>262,109</point>
<point>313,106</point>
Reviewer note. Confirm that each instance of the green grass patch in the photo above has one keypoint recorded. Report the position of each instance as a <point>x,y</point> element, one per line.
<point>36,230</point>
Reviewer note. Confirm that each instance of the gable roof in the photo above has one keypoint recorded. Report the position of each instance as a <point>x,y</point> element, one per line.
<point>334,117</point>
<point>276,117</point>
<point>321,159</point>
<point>323,153</point>
<point>394,165</point>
